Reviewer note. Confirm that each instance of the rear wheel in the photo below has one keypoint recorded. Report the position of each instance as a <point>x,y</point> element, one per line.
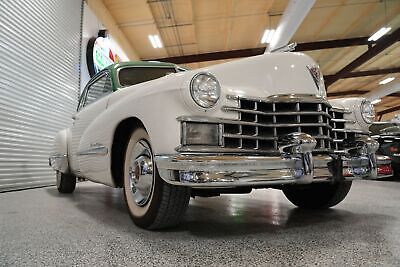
<point>152,203</point>
<point>66,183</point>
<point>317,196</point>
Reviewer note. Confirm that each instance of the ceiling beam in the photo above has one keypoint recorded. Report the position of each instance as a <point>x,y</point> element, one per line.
<point>345,93</point>
<point>329,44</point>
<point>395,94</point>
<point>260,50</point>
<point>384,43</point>
<point>356,92</point>
<point>389,110</point>
<point>366,73</point>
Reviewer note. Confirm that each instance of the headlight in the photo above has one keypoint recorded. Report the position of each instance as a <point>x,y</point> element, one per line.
<point>205,90</point>
<point>367,111</point>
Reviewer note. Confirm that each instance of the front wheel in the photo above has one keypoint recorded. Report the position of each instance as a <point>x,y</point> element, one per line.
<point>152,203</point>
<point>66,183</point>
<point>317,196</point>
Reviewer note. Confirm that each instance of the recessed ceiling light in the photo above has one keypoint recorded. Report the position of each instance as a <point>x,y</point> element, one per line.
<point>267,37</point>
<point>155,41</point>
<point>376,101</point>
<point>381,32</point>
<point>387,80</point>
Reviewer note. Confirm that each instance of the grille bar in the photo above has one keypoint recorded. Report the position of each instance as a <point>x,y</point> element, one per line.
<point>248,136</point>
<point>322,113</point>
<point>241,123</point>
<point>343,120</point>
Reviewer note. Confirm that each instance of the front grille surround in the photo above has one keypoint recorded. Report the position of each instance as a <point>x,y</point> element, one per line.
<point>261,122</point>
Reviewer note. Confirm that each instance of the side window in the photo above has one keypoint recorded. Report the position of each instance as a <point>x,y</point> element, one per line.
<point>98,89</point>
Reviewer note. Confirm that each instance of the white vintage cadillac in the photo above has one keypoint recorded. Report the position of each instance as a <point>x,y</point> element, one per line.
<point>165,134</point>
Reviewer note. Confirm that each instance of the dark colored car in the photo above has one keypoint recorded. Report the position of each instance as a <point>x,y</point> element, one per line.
<point>388,136</point>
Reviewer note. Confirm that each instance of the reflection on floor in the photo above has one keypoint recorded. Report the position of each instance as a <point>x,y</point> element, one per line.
<point>92,227</point>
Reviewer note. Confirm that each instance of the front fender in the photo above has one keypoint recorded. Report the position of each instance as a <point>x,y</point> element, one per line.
<point>58,158</point>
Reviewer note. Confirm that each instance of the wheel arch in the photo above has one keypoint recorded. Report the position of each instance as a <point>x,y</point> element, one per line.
<point>121,137</point>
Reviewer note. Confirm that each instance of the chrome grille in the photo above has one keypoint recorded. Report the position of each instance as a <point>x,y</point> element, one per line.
<point>338,125</point>
<point>261,122</point>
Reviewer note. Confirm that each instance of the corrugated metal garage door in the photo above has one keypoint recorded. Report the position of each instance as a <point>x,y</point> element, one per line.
<point>39,85</point>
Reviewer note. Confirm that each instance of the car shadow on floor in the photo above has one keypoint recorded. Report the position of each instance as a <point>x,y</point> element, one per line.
<point>391,179</point>
<point>218,224</point>
<point>228,215</point>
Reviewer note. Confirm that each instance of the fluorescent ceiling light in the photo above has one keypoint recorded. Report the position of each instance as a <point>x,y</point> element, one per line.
<point>267,37</point>
<point>155,41</point>
<point>387,80</point>
<point>376,101</point>
<point>381,32</point>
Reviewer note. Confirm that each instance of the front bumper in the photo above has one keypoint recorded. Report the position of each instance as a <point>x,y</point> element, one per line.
<point>296,165</point>
<point>231,171</point>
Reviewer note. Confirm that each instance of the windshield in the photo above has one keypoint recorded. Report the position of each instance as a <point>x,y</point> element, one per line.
<point>134,75</point>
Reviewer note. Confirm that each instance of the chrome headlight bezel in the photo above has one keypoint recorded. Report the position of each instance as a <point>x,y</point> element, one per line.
<point>213,96</point>
<point>367,110</point>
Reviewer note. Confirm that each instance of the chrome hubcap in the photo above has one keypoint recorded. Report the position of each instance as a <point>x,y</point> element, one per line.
<point>141,173</point>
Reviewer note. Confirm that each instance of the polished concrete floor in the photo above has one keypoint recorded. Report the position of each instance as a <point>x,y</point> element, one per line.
<point>92,227</point>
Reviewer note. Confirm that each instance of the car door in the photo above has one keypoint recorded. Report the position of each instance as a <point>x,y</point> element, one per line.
<point>92,103</point>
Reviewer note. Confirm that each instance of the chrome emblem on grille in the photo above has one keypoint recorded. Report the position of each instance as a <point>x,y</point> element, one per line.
<point>316,75</point>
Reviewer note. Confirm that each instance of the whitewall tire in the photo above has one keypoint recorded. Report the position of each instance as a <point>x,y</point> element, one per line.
<point>152,203</point>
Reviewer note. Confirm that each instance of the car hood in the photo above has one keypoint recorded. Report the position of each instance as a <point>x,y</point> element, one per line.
<point>266,75</point>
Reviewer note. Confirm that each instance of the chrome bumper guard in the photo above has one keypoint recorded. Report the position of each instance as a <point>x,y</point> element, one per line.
<point>59,162</point>
<point>296,165</point>
<point>360,157</point>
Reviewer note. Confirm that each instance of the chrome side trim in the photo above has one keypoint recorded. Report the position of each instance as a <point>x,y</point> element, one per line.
<point>94,151</point>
